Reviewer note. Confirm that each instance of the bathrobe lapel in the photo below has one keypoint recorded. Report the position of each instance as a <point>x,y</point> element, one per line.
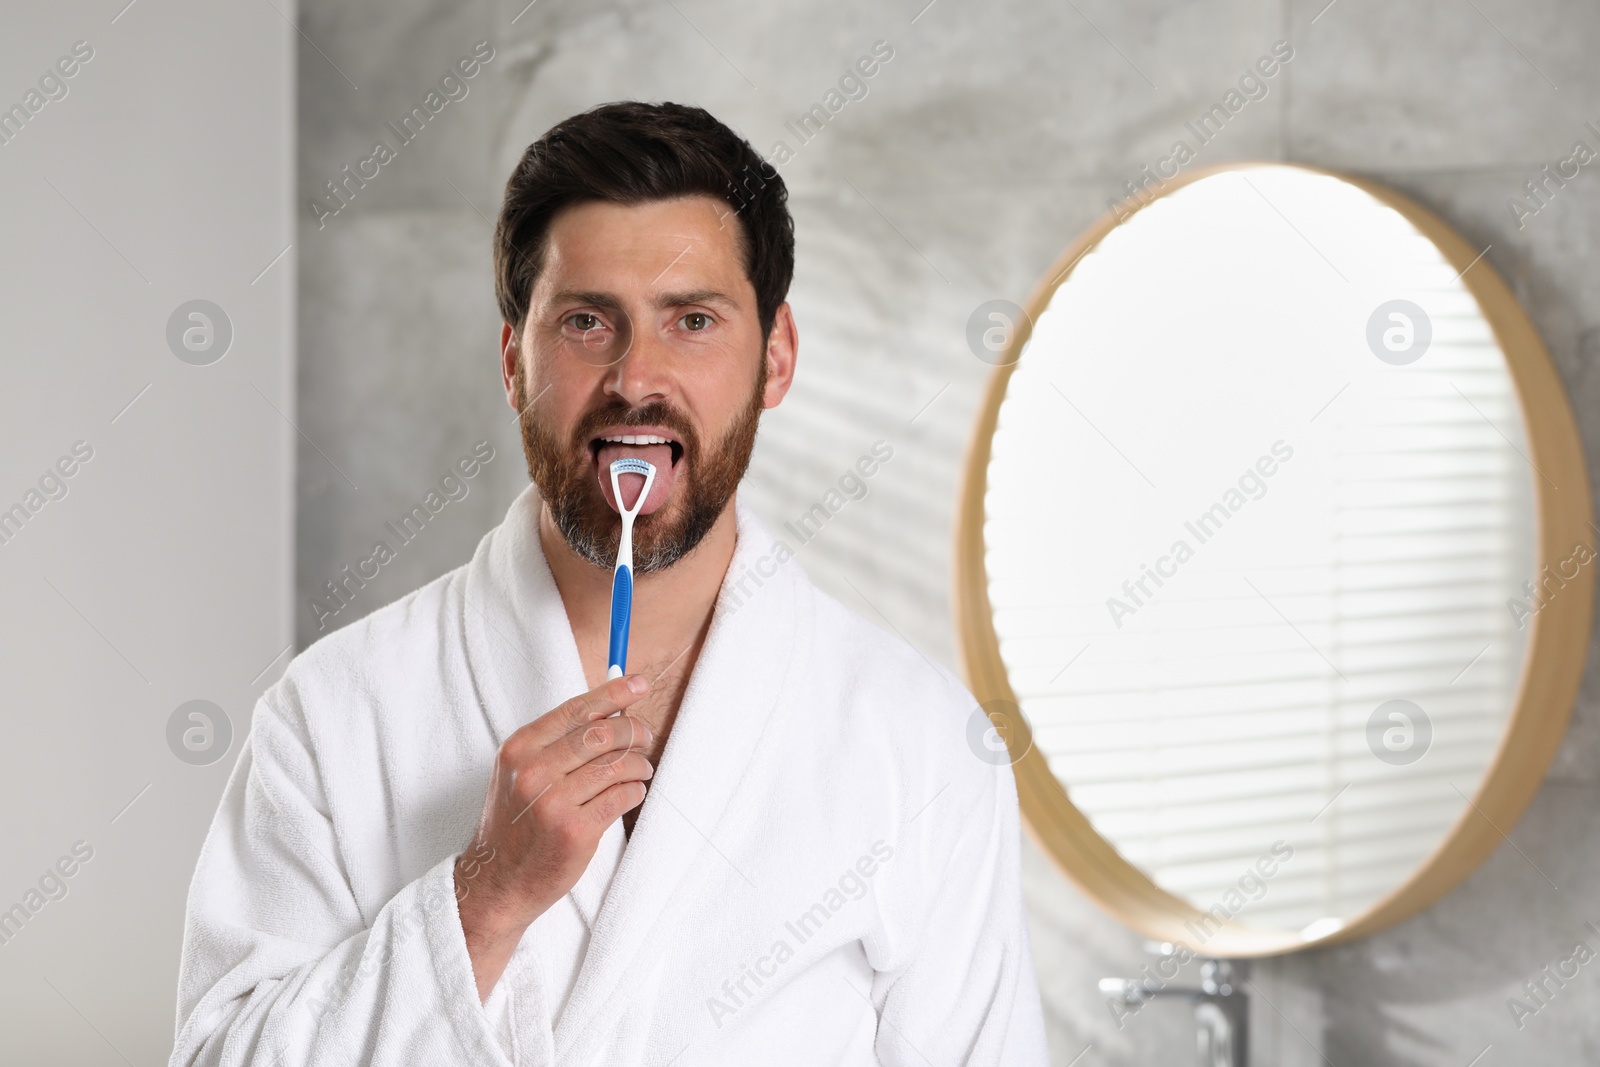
<point>520,647</point>
<point>732,694</point>
<point>526,659</point>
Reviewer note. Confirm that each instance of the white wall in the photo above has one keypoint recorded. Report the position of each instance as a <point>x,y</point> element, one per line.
<point>996,134</point>
<point>163,575</point>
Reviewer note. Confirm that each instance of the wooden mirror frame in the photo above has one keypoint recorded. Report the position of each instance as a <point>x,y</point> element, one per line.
<point>1557,647</point>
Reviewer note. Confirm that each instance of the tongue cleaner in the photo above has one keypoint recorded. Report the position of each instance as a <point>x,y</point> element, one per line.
<point>622,581</point>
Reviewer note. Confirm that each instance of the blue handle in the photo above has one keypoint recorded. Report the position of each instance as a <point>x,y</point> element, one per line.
<point>621,615</point>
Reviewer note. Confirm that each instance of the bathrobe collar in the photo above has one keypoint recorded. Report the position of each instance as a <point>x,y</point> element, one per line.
<point>523,655</point>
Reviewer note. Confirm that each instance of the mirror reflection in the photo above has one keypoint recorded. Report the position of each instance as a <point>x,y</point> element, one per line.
<point>1258,531</point>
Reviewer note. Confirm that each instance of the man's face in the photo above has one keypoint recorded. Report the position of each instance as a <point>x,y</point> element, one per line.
<point>642,340</point>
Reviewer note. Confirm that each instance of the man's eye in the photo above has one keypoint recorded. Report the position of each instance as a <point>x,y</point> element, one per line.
<point>585,321</point>
<point>696,321</point>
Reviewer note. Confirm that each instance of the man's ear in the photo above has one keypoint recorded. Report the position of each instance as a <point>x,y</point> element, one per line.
<point>510,362</point>
<point>783,349</point>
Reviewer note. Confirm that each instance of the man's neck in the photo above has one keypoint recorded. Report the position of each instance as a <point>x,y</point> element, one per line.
<point>671,614</point>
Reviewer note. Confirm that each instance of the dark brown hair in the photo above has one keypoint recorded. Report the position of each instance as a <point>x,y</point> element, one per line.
<point>630,152</point>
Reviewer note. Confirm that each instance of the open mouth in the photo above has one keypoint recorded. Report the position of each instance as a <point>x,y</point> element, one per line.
<point>653,444</point>
<point>625,439</point>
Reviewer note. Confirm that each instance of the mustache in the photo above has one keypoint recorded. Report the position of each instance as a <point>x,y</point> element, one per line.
<point>655,413</point>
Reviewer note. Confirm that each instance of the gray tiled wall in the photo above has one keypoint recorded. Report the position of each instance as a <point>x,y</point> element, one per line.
<point>996,133</point>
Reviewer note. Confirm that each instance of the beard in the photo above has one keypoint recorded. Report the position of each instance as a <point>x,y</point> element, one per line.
<point>568,483</point>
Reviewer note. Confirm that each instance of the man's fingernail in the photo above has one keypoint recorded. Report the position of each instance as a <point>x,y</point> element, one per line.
<point>638,683</point>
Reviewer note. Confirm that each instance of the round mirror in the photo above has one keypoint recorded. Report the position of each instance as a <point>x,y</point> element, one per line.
<point>1273,559</point>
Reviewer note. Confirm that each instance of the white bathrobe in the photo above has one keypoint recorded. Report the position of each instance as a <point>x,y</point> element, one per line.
<point>824,871</point>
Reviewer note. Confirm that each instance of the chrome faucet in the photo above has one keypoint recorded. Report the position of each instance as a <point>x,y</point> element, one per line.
<point>1221,1010</point>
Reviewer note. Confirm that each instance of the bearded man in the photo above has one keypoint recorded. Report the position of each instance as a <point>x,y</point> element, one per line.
<point>450,839</point>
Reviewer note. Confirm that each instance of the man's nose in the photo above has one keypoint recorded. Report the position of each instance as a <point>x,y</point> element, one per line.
<point>643,373</point>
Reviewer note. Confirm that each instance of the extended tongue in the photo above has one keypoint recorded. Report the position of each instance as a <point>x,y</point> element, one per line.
<point>631,485</point>
<point>658,456</point>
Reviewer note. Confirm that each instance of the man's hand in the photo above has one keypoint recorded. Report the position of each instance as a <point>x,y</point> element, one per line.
<point>558,783</point>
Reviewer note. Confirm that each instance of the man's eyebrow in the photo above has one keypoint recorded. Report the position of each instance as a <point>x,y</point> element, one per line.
<point>585,296</point>
<point>696,296</point>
